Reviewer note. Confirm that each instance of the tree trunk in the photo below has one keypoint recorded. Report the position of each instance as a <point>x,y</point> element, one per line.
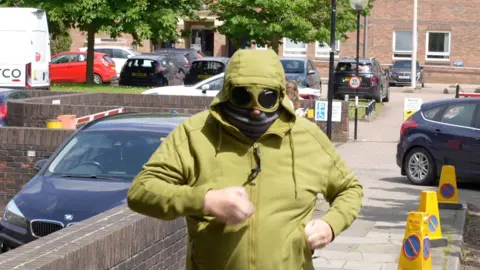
<point>90,52</point>
<point>275,46</point>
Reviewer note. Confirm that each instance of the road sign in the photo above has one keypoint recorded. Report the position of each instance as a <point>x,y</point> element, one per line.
<point>354,82</point>
<point>411,247</point>
<point>321,108</point>
<point>447,191</point>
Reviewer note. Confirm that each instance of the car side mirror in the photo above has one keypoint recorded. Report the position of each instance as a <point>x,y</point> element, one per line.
<point>40,164</point>
<point>311,71</point>
<point>206,87</point>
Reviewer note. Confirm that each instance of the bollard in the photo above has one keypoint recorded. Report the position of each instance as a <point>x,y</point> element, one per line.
<point>457,90</point>
<point>447,191</point>
<point>429,205</point>
<point>416,248</point>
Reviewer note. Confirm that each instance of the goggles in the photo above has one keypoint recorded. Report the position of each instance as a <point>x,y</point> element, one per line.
<point>264,99</point>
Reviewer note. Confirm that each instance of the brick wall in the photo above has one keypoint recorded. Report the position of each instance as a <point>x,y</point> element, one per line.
<point>79,40</point>
<point>16,166</point>
<point>35,112</point>
<point>116,239</point>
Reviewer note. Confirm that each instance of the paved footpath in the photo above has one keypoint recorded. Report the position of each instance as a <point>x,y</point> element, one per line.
<point>374,240</point>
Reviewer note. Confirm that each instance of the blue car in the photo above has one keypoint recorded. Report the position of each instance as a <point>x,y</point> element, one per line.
<point>303,71</point>
<point>89,173</point>
<point>444,132</point>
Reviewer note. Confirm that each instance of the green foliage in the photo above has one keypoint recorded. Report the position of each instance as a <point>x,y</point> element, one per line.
<point>268,21</point>
<point>144,19</point>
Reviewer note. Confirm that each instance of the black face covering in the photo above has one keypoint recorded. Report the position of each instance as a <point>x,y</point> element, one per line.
<point>252,126</point>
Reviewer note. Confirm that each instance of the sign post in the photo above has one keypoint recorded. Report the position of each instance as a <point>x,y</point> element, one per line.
<point>355,83</point>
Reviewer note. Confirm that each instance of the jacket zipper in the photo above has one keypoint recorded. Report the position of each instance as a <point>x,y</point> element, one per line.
<point>253,186</point>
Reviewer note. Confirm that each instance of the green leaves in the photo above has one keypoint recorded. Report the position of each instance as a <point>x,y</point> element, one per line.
<point>268,21</point>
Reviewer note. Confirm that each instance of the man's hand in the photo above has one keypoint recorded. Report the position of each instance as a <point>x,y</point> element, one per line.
<point>230,205</point>
<point>319,234</point>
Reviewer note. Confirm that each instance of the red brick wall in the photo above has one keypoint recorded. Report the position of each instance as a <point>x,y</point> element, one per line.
<point>79,40</point>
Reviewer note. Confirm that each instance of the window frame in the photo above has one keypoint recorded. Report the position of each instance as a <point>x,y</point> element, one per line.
<point>394,51</point>
<point>327,50</point>
<point>427,41</point>
<point>286,50</point>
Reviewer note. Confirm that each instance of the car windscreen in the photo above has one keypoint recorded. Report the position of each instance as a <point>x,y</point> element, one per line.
<point>207,67</point>
<point>105,154</point>
<point>293,66</point>
<point>404,64</point>
<point>352,67</point>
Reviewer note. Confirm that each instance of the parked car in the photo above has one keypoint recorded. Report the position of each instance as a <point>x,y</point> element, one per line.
<point>72,67</point>
<point>208,87</point>
<point>182,57</point>
<point>7,94</point>
<point>147,70</point>
<point>119,54</point>
<point>24,48</point>
<point>444,132</point>
<point>88,174</point>
<point>204,68</point>
<point>401,73</point>
<point>374,82</point>
<point>302,70</point>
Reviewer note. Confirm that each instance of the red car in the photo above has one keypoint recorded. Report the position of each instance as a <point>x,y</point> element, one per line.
<point>72,67</point>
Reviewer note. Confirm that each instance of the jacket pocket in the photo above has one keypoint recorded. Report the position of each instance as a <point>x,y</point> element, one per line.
<point>297,253</point>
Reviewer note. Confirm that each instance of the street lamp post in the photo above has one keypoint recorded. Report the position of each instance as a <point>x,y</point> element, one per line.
<point>357,5</point>
<point>331,67</point>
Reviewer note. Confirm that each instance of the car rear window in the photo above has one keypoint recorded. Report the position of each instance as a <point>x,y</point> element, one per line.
<point>293,66</point>
<point>207,67</point>
<point>347,67</point>
<point>432,113</point>
<point>144,64</point>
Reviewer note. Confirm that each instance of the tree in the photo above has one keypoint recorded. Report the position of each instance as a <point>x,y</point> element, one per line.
<point>268,21</point>
<point>143,19</point>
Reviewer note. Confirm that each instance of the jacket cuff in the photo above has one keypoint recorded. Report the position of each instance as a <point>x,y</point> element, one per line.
<point>198,198</point>
<point>336,222</point>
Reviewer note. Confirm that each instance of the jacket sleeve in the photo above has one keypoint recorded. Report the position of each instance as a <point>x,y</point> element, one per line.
<point>162,189</point>
<point>343,191</point>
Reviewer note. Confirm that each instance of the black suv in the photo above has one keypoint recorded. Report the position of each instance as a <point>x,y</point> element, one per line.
<point>181,57</point>
<point>374,79</point>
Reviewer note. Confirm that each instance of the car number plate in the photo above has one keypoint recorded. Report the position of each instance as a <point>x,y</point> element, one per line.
<point>139,74</point>
<point>203,76</point>
<point>404,77</point>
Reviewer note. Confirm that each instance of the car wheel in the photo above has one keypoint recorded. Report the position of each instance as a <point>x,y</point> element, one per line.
<point>379,97</point>
<point>420,167</point>
<point>387,97</point>
<point>97,79</point>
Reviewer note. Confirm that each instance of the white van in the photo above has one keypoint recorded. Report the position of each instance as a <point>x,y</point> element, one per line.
<point>24,48</point>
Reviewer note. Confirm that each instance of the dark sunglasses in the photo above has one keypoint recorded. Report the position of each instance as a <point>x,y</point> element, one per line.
<point>242,97</point>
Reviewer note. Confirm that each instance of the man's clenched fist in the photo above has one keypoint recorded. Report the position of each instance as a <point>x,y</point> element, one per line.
<point>230,205</point>
<point>319,234</point>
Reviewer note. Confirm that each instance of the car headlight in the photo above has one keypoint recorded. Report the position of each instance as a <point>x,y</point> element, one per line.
<point>14,216</point>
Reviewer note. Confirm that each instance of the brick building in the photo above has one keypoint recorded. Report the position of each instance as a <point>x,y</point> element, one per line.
<point>447,39</point>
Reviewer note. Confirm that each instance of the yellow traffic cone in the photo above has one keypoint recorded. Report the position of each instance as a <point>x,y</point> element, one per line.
<point>415,253</point>
<point>447,189</point>
<point>429,205</point>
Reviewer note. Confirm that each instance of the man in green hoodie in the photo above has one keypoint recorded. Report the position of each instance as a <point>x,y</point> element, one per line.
<point>246,174</point>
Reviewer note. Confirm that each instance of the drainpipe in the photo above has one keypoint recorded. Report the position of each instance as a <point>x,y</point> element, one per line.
<point>365,38</point>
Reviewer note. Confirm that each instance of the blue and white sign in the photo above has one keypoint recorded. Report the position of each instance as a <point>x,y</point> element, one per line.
<point>321,108</point>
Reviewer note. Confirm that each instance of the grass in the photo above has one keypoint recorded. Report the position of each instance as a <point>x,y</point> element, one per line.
<point>361,111</point>
<point>80,87</point>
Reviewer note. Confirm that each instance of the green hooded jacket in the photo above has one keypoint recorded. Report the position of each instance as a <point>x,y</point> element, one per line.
<point>205,152</point>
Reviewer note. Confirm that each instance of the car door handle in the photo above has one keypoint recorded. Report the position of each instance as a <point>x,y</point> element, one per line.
<point>437,130</point>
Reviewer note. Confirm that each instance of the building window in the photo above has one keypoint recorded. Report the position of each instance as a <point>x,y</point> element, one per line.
<point>402,44</point>
<point>322,49</point>
<point>291,48</point>
<point>438,46</point>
